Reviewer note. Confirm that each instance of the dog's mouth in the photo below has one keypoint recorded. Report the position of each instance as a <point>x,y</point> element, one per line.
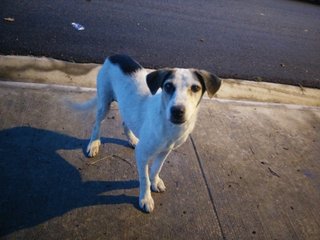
<point>177,121</point>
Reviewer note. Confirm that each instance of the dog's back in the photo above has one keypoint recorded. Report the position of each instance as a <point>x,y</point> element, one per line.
<point>123,80</point>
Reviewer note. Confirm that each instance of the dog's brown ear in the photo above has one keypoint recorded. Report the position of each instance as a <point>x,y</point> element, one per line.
<point>156,79</point>
<point>210,81</point>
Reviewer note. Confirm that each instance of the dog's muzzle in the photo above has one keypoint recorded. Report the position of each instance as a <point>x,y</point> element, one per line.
<point>178,114</point>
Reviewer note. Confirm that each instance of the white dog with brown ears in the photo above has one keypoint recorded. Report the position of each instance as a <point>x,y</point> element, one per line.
<point>155,122</point>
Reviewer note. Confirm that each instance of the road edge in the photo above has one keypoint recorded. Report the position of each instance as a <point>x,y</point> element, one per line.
<point>51,71</point>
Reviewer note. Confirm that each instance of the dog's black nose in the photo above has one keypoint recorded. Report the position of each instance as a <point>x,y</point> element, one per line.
<point>177,114</point>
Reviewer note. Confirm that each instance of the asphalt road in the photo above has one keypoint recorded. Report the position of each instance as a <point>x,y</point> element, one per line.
<point>271,40</point>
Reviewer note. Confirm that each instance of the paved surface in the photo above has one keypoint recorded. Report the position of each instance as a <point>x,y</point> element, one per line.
<point>274,40</point>
<point>249,171</point>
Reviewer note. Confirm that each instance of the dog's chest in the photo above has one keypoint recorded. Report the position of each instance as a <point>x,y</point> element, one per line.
<point>177,139</point>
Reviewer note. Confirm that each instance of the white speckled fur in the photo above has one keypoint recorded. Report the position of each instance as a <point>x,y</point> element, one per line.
<point>146,119</point>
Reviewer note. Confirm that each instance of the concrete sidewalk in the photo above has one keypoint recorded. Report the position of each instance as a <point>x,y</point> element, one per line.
<point>250,170</point>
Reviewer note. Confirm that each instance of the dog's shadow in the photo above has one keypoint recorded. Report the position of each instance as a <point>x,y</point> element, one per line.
<point>37,184</point>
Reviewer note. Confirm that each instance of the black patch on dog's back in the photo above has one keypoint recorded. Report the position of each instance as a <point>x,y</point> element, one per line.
<point>126,63</point>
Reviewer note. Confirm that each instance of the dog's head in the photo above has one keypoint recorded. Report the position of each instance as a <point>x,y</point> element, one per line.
<point>182,90</point>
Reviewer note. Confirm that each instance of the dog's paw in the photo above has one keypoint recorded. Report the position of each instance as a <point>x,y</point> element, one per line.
<point>132,139</point>
<point>93,148</point>
<point>157,185</point>
<point>146,204</point>
<point>133,142</point>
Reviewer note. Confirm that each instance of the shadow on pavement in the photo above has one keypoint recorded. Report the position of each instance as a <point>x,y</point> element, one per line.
<point>37,184</point>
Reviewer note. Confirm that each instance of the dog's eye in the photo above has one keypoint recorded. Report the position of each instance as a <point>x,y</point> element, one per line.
<point>195,88</point>
<point>169,88</point>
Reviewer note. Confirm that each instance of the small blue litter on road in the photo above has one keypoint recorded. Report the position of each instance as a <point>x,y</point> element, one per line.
<point>77,26</point>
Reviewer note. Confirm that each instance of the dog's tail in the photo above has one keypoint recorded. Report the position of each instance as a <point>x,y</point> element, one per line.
<point>82,106</point>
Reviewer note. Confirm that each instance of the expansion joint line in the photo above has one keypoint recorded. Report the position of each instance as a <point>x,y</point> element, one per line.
<point>207,186</point>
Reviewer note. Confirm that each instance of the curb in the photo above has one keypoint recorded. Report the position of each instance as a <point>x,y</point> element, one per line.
<point>51,71</point>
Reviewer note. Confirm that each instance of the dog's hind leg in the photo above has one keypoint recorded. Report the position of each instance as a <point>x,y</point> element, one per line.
<point>132,139</point>
<point>94,144</point>
<point>104,99</point>
<point>157,184</point>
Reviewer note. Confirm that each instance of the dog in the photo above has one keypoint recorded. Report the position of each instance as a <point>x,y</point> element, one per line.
<point>158,109</point>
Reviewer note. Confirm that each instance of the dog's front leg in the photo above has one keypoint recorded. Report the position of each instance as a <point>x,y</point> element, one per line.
<point>146,202</point>
<point>157,183</point>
